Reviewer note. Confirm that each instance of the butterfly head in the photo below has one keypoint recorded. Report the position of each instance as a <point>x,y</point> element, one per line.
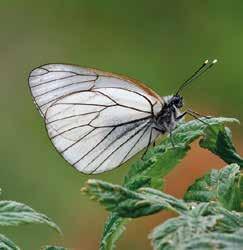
<point>176,101</point>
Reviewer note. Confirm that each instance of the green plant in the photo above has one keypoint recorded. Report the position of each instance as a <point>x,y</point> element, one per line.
<point>209,216</point>
<point>13,213</point>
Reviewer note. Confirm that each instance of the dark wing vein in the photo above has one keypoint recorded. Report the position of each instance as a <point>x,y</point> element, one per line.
<point>42,74</point>
<point>132,91</point>
<point>106,136</point>
<point>110,144</point>
<point>122,105</point>
<point>73,144</point>
<point>68,71</point>
<point>70,129</point>
<point>125,123</point>
<point>71,116</point>
<point>80,104</point>
<point>108,126</point>
<point>62,87</point>
<point>138,131</point>
<point>56,79</point>
<point>135,144</point>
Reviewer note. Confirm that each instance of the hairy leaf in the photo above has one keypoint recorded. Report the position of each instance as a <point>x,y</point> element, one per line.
<point>113,229</point>
<point>201,219</point>
<point>7,244</point>
<point>230,220</point>
<point>176,205</point>
<point>54,248</point>
<point>241,191</point>
<point>161,159</point>
<point>215,241</point>
<point>218,185</point>
<point>219,141</point>
<point>13,213</point>
<point>172,233</point>
<point>131,204</point>
<point>158,162</point>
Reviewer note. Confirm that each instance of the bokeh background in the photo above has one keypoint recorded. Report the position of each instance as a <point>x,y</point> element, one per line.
<point>159,42</point>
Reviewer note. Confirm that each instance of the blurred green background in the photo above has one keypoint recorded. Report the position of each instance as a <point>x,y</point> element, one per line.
<point>159,42</point>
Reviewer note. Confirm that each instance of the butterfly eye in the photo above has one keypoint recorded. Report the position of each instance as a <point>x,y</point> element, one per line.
<point>179,102</point>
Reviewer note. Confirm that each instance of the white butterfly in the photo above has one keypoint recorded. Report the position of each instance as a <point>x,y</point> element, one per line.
<point>98,120</point>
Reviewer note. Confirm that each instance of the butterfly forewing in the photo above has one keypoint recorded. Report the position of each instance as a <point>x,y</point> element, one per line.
<point>96,120</point>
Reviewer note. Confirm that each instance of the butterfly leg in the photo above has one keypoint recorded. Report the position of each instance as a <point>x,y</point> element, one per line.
<point>168,129</point>
<point>149,142</point>
<point>158,130</point>
<point>172,140</point>
<point>194,115</point>
<point>178,118</point>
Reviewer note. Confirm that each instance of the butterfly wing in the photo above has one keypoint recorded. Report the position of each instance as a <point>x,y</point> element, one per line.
<point>96,120</point>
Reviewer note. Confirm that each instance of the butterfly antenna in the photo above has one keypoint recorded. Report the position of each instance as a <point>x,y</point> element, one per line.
<point>205,67</point>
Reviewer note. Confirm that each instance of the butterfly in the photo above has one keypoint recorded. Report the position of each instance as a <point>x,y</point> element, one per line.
<point>98,120</point>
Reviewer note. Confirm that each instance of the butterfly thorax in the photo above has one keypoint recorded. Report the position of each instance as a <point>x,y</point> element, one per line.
<point>167,119</point>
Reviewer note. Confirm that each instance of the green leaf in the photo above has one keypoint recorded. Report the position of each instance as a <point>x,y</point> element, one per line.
<point>201,219</point>
<point>158,162</point>
<point>221,186</point>
<point>215,241</point>
<point>230,220</point>
<point>131,204</point>
<point>7,244</point>
<point>174,204</point>
<point>54,248</point>
<point>161,159</point>
<point>241,191</point>
<point>172,233</point>
<point>113,229</point>
<point>13,213</point>
<point>219,141</point>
